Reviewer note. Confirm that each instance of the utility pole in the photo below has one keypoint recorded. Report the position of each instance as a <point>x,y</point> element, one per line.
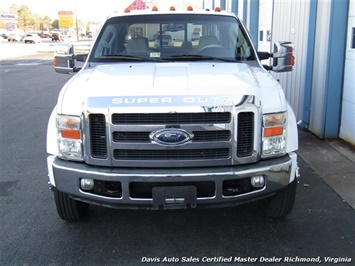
<point>76,24</point>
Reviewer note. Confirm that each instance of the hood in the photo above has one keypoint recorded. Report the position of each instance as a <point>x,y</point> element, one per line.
<point>170,80</point>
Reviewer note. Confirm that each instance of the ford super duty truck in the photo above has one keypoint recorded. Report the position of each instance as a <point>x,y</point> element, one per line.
<point>172,109</point>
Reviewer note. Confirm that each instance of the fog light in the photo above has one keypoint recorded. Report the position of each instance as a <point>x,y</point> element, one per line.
<point>87,184</point>
<point>258,181</point>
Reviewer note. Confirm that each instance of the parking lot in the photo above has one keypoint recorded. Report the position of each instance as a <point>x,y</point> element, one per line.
<point>14,49</point>
<point>320,228</point>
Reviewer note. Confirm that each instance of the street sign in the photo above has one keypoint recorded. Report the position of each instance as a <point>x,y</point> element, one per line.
<point>8,16</point>
<point>66,18</point>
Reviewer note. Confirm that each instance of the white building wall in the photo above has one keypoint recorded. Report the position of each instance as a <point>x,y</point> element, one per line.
<point>347,127</point>
<point>290,23</point>
<point>265,20</point>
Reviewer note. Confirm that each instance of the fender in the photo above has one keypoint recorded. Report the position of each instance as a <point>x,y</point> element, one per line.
<point>292,131</point>
<point>52,147</point>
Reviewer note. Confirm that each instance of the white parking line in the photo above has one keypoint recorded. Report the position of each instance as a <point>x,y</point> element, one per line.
<point>28,64</point>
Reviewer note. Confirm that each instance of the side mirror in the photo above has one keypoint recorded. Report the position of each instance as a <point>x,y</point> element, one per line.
<point>283,59</point>
<point>64,59</point>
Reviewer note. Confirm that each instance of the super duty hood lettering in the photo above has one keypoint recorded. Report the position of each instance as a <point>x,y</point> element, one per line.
<point>161,101</point>
<point>177,100</point>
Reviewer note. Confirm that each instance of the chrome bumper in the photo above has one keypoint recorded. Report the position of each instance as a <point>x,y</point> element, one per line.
<point>65,176</point>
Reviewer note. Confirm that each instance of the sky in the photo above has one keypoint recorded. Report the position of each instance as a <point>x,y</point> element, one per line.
<point>88,10</point>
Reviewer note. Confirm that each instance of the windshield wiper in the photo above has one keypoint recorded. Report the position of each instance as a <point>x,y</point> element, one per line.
<point>126,57</point>
<point>196,57</point>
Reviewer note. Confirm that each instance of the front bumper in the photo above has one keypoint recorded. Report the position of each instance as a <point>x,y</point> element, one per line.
<point>137,188</point>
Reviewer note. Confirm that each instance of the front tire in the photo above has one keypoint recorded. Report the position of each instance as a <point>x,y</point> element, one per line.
<point>69,209</point>
<point>282,202</point>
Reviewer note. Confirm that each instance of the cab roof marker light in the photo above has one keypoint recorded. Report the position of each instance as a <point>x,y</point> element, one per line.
<point>127,10</point>
<point>217,9</point>
<point>190,8</point>
<point>154,8</point>
<point>172,8</point>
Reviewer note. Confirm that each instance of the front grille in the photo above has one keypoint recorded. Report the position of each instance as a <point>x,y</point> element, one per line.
<point>143,190</point>
<point>98,136</point>
<point>245,134</point>
<point>212,135</point>
<point>133,136</point>
<point>130,136</point>
<point>173,118</point>
<point>212,143</point>
<point>180,154</point>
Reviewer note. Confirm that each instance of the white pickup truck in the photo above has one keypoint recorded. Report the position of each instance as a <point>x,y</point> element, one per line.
<point>194,122</point>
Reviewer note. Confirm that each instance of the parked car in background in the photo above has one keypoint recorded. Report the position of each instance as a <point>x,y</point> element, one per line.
<point>167,41</point>
<point>57,37</point>
<point>3,35</point>
<point>44,36</point>
<point>32,38</point>
<point>14,37</point>
<point>195,36</point>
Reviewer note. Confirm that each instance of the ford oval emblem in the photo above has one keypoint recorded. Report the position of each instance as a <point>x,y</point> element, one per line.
<point>171,136</point>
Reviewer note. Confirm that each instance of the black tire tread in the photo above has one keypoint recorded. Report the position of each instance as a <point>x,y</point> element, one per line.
<point>282,202</point>
<point>69,209</point>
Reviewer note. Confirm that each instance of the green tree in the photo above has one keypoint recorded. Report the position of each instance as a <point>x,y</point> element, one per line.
<point>55,24</point>
<point>25,18</point>
<point>13,9</point>
<point>47,22</point>
<point>37,23</point>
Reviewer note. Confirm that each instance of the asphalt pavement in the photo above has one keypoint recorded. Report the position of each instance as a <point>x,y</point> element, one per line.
<point>11,49</point>
<point>332,160</point>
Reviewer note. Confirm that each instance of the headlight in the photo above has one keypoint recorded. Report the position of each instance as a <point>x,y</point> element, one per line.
<point>274,134</point>
<point>69,137</point>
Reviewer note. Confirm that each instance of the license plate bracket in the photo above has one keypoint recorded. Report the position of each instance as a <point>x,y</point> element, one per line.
<point>178,197</point>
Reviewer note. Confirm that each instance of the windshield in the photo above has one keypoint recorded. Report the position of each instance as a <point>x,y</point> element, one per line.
<point>172,37</point>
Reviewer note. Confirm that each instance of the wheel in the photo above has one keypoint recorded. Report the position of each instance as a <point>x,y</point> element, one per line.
<point>282,202</point>
<point>69,209</point>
